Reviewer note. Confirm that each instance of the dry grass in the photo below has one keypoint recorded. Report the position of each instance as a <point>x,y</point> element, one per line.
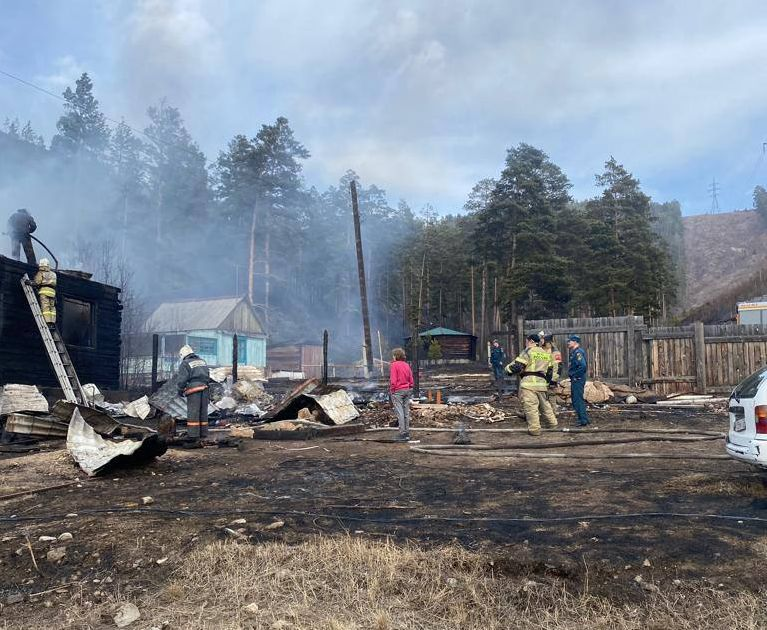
<point>353,583</point>
<point>752,486</point>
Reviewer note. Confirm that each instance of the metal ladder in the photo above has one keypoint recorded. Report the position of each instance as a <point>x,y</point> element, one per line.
<point>56,349</point>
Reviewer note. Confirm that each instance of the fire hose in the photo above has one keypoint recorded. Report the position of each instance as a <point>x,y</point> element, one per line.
<point>517,450</point>
<point>45,247</point>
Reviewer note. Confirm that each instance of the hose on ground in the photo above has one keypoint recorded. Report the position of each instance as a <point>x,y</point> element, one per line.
<point>393,521</point>
<point>522,455</point>
<point>543,445</point>
<point>562,430</point>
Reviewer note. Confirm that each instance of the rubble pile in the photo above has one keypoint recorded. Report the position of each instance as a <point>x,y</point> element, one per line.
<point>448,415</point>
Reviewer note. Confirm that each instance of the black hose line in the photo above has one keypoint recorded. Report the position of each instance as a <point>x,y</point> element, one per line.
<point>393,521</point>
<point>540,445</point>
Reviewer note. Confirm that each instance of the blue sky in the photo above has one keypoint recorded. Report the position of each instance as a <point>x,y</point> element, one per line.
<point>423,98</point>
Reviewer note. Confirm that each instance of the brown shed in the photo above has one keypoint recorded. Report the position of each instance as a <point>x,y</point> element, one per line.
<point>455,345</point>
<point>295,357</point>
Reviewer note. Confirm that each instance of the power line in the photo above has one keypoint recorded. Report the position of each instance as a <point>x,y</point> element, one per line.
<point>61,98</point>
<point>714,192</point>
<point>112,120</point>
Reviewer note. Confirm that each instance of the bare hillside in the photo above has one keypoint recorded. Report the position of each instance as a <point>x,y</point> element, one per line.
<point>723,251</point>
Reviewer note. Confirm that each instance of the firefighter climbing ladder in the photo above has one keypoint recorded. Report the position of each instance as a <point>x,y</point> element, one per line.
<point>56,349</point>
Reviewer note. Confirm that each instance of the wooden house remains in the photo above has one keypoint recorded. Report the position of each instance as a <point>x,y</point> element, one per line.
<point>89,318</point>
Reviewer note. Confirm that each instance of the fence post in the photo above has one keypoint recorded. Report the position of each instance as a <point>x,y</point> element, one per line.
<point>631,351</point>
<point>235,357</point>
<point>520,334</point>
<point>155,356</point>
<point>700,357</point>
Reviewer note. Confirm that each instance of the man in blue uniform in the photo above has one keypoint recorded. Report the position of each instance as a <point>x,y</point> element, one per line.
<point>497,359</point>
<point>577,371</point>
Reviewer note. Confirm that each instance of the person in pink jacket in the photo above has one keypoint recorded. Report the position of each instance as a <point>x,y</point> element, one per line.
<point>401,391</point>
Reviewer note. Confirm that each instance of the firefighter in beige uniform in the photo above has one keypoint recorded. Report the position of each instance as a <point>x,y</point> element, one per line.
<point>45,282</point>
<point>535,367</point>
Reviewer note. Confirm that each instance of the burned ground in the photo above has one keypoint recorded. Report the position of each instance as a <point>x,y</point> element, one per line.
<point>560,520</point>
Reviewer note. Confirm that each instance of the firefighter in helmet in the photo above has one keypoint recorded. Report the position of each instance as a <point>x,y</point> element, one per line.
<point>193,379</point>
<point>45,283</point>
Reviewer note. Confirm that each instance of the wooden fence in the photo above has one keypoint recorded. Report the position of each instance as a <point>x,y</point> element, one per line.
<point>693,358</point>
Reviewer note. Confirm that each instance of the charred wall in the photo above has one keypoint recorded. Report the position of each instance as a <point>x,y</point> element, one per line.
<point>89,318</point>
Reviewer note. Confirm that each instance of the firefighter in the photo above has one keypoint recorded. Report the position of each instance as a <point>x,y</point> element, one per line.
<point>20,227</point>
<point>548,345</point>
<point>578,371</point>
<point>497,358</point>
<point>535,367</point>
<point>193,379</point>
<point>45,282</point>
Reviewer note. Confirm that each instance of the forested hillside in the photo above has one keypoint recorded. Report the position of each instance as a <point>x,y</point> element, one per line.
<point>726,258</point>
<point>147,210</point>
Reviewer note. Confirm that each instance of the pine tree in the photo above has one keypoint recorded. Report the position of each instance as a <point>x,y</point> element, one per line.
<point>82,128</point>
<point>629,268</point>
<point>760,202</point>
<point>260,179</point>
<point>28,135</point>
<point>515,231</point>
<point>179,191</point>
<point>125,157</point>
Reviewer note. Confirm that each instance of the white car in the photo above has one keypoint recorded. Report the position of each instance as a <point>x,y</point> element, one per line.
<point>747,437</point>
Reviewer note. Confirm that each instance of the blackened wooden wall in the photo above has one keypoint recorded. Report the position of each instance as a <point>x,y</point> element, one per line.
<point>22,355</point>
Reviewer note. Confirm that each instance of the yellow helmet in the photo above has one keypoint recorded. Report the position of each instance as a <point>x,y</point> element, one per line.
<point>44,264</point>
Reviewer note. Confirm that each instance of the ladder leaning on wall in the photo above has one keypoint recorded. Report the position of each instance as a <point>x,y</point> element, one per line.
<point>56,349</point>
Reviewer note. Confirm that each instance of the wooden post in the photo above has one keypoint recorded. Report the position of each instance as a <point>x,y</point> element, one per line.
<point>235,357</point>
<point>155,356</point>
<point>700,357</point>
<point>324,357</point>
<point>631,351</point>
<point>416,371</point>
<point>520,334</point>
<point>380,354</point>
<point>361,272</point>
<point>473,319</point>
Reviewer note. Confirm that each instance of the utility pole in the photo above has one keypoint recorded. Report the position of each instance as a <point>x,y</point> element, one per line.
<point>363,287</point>
<point>714,192</point>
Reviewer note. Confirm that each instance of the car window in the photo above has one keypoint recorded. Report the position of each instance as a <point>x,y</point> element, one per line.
<point>748,387</point>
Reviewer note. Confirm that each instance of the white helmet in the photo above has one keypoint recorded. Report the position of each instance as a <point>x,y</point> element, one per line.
<point>44,263</point>
<point>185,352</point>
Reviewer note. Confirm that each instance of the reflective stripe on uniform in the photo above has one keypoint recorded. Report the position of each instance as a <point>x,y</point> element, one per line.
<point>538,360</point>
<point>47,292</point>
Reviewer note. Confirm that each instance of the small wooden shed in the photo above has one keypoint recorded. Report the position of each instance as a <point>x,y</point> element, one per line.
<point>455,345</point>
<point>295,357</point>
<point>89,318</point>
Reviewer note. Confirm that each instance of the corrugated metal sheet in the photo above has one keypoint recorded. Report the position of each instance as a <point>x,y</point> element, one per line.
<point>23,424</point>
<point>167,400</point>
<point>191,315</point>
<point>338,406</point>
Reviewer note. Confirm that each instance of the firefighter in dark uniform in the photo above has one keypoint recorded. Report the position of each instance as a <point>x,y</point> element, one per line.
<point>20,227</point>
<point>497,360</point>
<point>193,379</point>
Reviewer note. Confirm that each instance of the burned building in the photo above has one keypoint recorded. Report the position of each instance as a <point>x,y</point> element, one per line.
<point>89,320</point>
